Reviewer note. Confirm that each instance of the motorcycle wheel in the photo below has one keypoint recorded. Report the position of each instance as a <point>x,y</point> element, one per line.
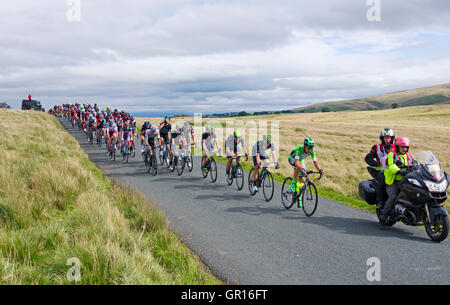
<point>437,231</point>
<point>390,222</point>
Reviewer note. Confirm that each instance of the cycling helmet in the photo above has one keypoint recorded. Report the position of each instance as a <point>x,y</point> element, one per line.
<point>401,141</point>
<point>167,118</point>
<point>111,121</point>
<point>267,138</point>
<point>387,132</point>
<point>153,128</point>
<point>309,142</point>
<point>237,134</point>
<point>187,124</point>
<point>146,123</point>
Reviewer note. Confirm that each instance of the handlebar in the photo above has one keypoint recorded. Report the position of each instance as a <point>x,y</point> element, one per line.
<point>312,172</point>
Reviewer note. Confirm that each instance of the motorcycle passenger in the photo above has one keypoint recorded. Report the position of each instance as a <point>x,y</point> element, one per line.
<point>377,159</point>
<point>397,162</point>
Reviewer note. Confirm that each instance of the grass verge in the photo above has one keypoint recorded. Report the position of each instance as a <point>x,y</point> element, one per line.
<point>55,204</point>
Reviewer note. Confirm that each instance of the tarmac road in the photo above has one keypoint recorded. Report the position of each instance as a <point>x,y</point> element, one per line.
<point>245,240</point>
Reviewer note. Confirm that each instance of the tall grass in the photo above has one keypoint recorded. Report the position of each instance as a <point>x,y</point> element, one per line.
<point>56,205</point>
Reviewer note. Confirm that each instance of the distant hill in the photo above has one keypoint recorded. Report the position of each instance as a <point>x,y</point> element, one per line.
<point>439,94</point>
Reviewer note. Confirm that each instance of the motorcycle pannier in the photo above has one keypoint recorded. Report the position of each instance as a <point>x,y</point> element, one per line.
<point>367,191</point>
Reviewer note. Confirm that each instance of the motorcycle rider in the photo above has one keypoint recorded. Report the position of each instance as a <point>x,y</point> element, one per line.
<point>397,161</point>
<point>377,159</point>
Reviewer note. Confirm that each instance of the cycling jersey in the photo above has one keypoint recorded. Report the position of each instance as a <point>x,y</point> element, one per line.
<point>260,148</point>
<point>126,132</point>
<point>298,153</point>
<point>165,129</point>
<point>230,143</point>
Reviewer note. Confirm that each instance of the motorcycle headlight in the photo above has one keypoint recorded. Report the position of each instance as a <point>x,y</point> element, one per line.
<point>415,182</point>
<point>436,187</point>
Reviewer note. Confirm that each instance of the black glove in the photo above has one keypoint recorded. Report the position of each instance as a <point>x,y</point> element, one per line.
<point>303,171</point>
<point>402,172</point>
<point>399,162</point>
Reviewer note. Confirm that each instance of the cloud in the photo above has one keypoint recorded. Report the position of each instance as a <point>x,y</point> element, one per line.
<point>219,55</point>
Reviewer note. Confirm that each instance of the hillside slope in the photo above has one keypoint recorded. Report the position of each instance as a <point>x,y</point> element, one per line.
<point>439,94</point>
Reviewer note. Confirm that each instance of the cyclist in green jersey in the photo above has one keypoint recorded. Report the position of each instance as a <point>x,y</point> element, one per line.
<point>297,160</point>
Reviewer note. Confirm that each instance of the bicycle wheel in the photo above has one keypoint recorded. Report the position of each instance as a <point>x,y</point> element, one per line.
<point>161,156</point>
<point>167,158</point>
<point>146,160</point>
<point>154,165</point>
<point>230,180</point>
<point>189,163</point>
<point>213,170</point>
<point>268,186</point>
<point>239,177</point>
<point>180,166</point>
<point>310,199</point>
<point>203,170</point>
<point>251,182</point>
<point>286,193</point>
<point>133,151</point>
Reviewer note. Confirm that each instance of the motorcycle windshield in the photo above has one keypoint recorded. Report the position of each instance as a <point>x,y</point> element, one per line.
<point>430,164</point>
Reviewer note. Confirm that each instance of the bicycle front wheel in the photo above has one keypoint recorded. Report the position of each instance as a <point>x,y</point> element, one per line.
<point>310,199</point>
<point>213,170</point>
<point>268,186</point>
<point>189,163</point>
<point>180,166</point>
<point>251,182</point>
<point>287,194</point>
<point>239,177</point>
<point>154,167</point>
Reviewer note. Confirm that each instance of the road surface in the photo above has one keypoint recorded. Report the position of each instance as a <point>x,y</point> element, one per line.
<point>245,240</point>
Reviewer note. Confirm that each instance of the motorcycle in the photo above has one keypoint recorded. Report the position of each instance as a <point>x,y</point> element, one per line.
<point>422,191</point>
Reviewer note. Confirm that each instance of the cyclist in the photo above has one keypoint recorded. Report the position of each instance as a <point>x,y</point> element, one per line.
<point>297,160</point>
<point>259,154</point>
<point>164,128</point>
<point>176,137</point>
<point>111,132</point>
<point>144,127</point>
<point>397,160</point>
<point>188,135</point>
<point>151,136</point>
<point>100,125</point>
<point>92,124</point>
<point>377,159</point>
<point>207,146</point>
<point>232,150</point>
<point>126,134</point>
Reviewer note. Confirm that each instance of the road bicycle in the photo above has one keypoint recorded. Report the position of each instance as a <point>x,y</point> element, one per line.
<point>264,180</point>
<point>151,163</point>
<point>209,168</point>
<point>112,151</point>
<point>309,194</point>
<point>187,157</point>
<point>237,173</point>
<point>164,155</point>
<point>125,152</point>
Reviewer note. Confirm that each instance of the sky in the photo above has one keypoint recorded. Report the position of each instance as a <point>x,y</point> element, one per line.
<point>174,56</point>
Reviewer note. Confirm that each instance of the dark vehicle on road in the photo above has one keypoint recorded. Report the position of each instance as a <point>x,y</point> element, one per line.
<point>422,192</point>
<point>4,105</point>
<point>32,104</point>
